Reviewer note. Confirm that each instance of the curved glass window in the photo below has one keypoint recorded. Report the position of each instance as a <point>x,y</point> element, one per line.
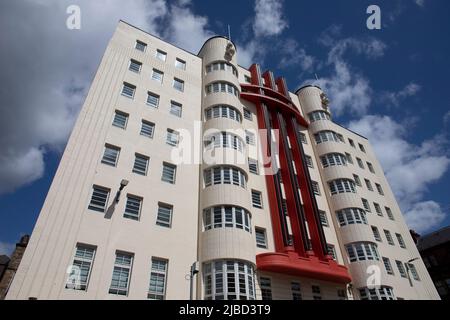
<point>224,87</point>
<point>221,65</point>
<point>333,159</point>
<point>227,217</point>
<point>224,140</point>
<point>224,175</point>
<point>223,111</point>
<point>327,135</point>
<point>342,186</point>
<point>361,251</point>
<point>381,293</point>
<point>351,216</point>
<point>228,280</point>
<point>318,115</point>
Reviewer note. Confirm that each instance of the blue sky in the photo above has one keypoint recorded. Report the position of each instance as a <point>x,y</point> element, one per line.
<point>390,85</point>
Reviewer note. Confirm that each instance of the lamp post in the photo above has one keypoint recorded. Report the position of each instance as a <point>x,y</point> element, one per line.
<point>123,184</point>
<point>407,270</point>
<point>192,272</point>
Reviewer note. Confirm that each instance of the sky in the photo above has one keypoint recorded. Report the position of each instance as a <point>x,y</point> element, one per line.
<point>389,84</point>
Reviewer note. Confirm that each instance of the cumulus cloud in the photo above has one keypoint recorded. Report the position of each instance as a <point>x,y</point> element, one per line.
<point>420,3</point>
<point>6,248</point>
<point>424,216</point>
<point>293,55</point>
<point>409,168</point>
<point>269,19</point>
<point>47,69</point>
<point>395,98</point>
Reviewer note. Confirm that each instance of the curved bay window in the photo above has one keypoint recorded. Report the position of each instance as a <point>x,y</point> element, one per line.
<point>228,280</point>
<point>227,217</point>
<point>223,111</point>
<point>224,140</point>
<point>222,66</point>
<point>224,175</point>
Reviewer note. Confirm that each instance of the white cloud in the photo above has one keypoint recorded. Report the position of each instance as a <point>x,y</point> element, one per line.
<point>6,248</point>
<point>269,20</point>
<point>447,117</point>
<point>424,216</point>
<point>420,3</point>
<point>395,98</point>
<point>410,169</point>
<point>293,55</point>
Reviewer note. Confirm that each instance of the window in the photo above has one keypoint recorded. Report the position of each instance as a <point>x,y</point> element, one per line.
<point>370,166</point>
<point>315,187</point>
<point>147,128</point>
<point>357,180</point>
<point>223,111</point>
<point>296,291</point>
<point>248,114</point>
<point>152,99</point>
<point>400,240</point>
<point>323,218</point>
<point>378,209</point>
<point>349,158</point>
<point>366,205</point>
<point>361,147</point>
<point>381,293</point>
<point>388,266</point>
<point>169,172</point>
<point>333,159</point>
<point>376,234</point>
<point>352,143</point>
<point>341,294</point>
<point>379,189</point>
<point>141,46</point>
<point>172,137</point>
<point>331,251</point>
<point>135,66</point>
<point>342,186</point>
<point>133,207</point>
<point>110,155</point>
<point>388,236</point>
<point>227,217</point>
<point>223,66</point>
<point>161,55</point>
<point>249,137</point>
<point>401,268</point>
<point>224,140</point>
<point>120,119</point>
<point>351,216</point>
<point>361,251</point>
<point>158,275</point>
<point>368,185</point>
<point>224,175</point>
<point>175,108</point>
<point>257,199</point>
<point>260,235</point>
<point>303,138</point>
<point>180,64</point>
<point>178,84</point>
<point>81,268</point>
<point>164,216</point>
<point>228,279</point>
<point>309,161</point>
<point>128,90</point>
<point>157,75</point>
<point>326,135</point>
<point>99,199</point>
<point>316,293</point>
<point>223,87</point>
<point>121,274</point>
<point>140,164</point>
<point>266,288</point>
<point>389,213</point>
<point>253,165</point>
<point>413,270</point>
<point>247,79</point>
<point>360,163</point>
<point>318,115</point>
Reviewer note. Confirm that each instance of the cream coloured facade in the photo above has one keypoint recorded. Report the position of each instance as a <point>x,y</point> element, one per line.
<point>294,235</point>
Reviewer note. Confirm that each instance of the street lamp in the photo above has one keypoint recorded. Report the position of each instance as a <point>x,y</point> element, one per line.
<point>193,271</point>
<point>407,270</point>
<point>123,184</point>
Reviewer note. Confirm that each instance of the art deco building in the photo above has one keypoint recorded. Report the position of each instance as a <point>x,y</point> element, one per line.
<point>179,158</point>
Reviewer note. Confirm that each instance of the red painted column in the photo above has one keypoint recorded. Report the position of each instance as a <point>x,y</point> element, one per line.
<point>318,240</point>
